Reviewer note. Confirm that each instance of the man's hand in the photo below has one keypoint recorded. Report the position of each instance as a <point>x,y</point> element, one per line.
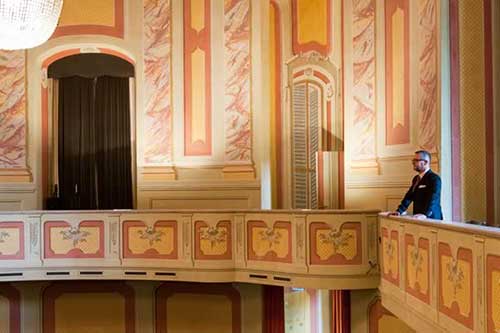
<point>395,213</point>
<point>420,216</point>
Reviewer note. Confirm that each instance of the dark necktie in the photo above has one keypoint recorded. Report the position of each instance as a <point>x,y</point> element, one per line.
<point>417,180</point>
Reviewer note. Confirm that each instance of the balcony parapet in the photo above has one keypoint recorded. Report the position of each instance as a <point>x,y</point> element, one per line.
<point>332,249</point>
<point>441,276</point>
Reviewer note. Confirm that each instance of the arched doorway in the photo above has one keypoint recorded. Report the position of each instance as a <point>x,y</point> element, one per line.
<point>315,140</point>
<point>90,129</point>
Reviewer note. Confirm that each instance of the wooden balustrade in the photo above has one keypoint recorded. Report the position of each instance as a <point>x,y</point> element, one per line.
<point>441,276</point>
<point>436,276</point>
<point>319,249</point>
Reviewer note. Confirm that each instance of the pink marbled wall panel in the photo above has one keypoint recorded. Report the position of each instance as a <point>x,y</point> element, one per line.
<point>12,109</point>
<point>237,120</point>
<point>157,81</point>
<point>428,69</point>
<point>363,90</point>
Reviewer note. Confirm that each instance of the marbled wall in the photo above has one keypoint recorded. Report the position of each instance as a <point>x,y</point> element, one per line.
<point>237,119</point>
<point>12,109</point>
<point>157,82</point>
<point>428,72</point>
<point>363,90</point>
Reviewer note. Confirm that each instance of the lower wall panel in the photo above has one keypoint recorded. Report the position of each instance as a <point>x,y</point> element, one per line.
<point>182,307</point>
<point>15,199</point>
<point>368,315</point>
<point>129,307</point>
<point>9,309</point>
<point>199,199</point>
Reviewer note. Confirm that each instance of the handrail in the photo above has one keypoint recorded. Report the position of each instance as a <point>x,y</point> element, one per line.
<point>466,228</point>
<point>440,276</point>
<point>333,249</point>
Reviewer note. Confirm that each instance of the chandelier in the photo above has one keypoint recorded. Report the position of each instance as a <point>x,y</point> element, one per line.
<point>27,23</point>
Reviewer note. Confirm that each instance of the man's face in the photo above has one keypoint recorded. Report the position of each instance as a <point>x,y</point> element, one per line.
<point>420,164</point>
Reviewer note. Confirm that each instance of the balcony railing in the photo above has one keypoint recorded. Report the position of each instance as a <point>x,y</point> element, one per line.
<point>439,276</point>
<point>318,249</point>
<point>435,276</point>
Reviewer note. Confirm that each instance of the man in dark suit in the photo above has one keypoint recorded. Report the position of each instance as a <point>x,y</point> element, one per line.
<point>425,190</point>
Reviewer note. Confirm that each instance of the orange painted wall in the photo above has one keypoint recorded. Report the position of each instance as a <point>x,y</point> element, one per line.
<point>84,12</point>
<point>199,313</point>
<point>94,17</point>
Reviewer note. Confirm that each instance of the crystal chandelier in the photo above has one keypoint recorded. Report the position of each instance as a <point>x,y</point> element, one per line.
<point>27,23</point>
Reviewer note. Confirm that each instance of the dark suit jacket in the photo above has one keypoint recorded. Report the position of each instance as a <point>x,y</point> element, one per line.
<point>426,196</point>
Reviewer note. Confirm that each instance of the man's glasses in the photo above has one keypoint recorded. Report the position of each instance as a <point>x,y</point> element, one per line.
<point>415,160</point>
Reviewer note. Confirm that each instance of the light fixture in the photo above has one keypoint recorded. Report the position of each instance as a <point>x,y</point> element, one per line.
<point>27,23</point>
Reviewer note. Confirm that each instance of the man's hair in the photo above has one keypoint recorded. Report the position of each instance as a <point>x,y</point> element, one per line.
<point>425,154</point>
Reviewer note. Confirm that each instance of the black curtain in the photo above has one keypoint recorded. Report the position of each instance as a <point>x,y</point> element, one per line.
<point>114,174</point>
<point>76,110</point>
<point>94,143</point>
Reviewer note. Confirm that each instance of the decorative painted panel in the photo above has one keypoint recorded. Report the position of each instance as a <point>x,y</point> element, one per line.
<point>219,246</point>
<point>213,242</point>
<point>237,57</point>
<point>390,255</point>
<point>311,26</point>
<point>364,89</point>
<point>417,267</point>
<point>428,71</point>
<point>397,54</point>
<point>156,240</point>
<point>269,243</point>
<point>197,78</point>
<point>65,240</point>
<point>456,284</point>
<point>493,293</point>
<point>157,81</point>
<point>100,17</point>
<point>462,276</point>
<point>11,241</point>
<point>13,109</point>
<point>335,246</point>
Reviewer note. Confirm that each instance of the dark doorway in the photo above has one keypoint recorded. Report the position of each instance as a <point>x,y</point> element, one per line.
<point>94,150</point>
